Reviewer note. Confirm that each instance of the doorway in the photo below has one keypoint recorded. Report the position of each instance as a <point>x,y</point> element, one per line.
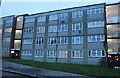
<point>15,54</point>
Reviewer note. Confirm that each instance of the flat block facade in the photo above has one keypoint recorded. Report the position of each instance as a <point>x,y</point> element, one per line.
<point>74,35</point>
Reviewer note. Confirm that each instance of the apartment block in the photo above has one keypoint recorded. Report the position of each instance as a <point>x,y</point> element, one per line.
<point>80,35</point>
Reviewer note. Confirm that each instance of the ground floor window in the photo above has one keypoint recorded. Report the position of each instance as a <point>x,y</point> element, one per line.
<point>77,54</point>
<point>51,54</point>
<point>96,53</point>
<point>26,53</point>
<point>39,53</point>
<point>62,54</point>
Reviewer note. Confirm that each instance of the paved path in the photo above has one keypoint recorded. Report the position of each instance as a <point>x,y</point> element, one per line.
<point>39,72</point>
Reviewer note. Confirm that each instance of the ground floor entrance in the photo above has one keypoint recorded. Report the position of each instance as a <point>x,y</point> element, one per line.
<point>113,60</point>
<point>15,54</point>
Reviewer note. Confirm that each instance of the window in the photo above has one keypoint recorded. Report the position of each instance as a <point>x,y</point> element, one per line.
<point>95,11</point>
<point>62,54</point>
<point>95,24</point>
<point>76,54</point>
<point>8,29</point>
<point>6,49</point>
<point>63,16</point>
<point>78,13</point>
<point>63,27</point>
<point>77,26</point>
<point>9,20</point>
<point>77,40</point>
<point>28,30</point>
<point>95,38</point>
<point>6,40</point>
<point>53,17</point>
<point>39,53</point>
<point>29,19</point>
<point>41,18</point>
<point>96,53</point>
<point>40,29</point>
<point>27,41</point>
<point>52,40</point>
<point>62,40</point>
<point>51,54</point>
<point>26,53</point>
<point>1,22</point>
<point>52,28</point>
<point>39,41</point>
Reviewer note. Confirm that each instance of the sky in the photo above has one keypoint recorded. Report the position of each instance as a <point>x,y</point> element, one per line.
<point>14,7</point>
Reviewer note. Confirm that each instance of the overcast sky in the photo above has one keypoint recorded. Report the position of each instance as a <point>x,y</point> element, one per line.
<point>14,7</point>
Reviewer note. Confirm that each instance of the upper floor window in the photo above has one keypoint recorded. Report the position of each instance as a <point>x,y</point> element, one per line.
<point>8,29</point>
<point>77,26</point>
<point>63,27</point>
<point>95,24</point>
<point>39,53</point>
<point>62,40</point>
<point>76,14</point>
<point>9,20</point>
<point>53,17</point>
<point>39,41</point>
<point>96,53</point>
<point>51,54</point>
<point>77,54</point>
<point>52,28</point>
<point>1,22</point>
<point>26,53</point>
<point>40,29</point>
<point>6,49</point>
<point>41,18</point>
<point>77,40</point>
<point>6,40</point>
<point>29,19</point>
<point>62,54</point>
<point>27,41</point>
<point>52,40</point>
<point>28,30</point>
<point>95,38</point>
<point>63,16</point>
<point>95,11</point>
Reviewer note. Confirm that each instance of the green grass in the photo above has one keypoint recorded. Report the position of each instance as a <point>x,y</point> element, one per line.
<point>90,70</point>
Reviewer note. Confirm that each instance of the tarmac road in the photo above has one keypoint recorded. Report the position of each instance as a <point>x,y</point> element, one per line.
<point>12,75</point>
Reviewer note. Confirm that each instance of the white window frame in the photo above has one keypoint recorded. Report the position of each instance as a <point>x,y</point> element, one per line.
<point>28,30</point>
<point>41,18</point>
<point>63,16</point>
<point>51,41</point>
<point>52,28</point>
<point>26,53</point>
<point>40,41</point>
<point>96,53</point>
<point>27,41</point>
<point>53,17</point>
<point>80,26</point>
<point>61,54</point>
<point>29,19</point>
<point>95,24</point>
<point>39,53</point>
<point>77,13</point>
<point>63,27</point>
<point>77,40</point>
<point>51,54</point>
<point>40,29</point>
<point>95,37</point>
<point>95,11</point>
<point>81,56</point>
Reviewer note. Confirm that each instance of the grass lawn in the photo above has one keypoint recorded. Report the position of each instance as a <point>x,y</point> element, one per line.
<point>90,70</point>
